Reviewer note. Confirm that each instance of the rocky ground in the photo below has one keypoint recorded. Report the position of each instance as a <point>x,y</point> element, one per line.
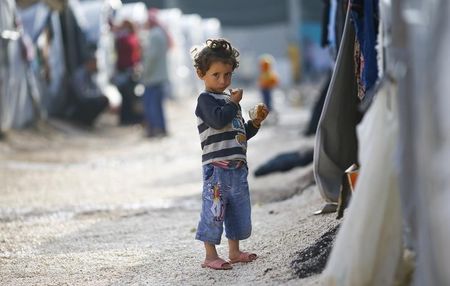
<point>108,206</point>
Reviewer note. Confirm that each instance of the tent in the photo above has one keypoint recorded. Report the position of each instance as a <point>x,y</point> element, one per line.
<point>20,94</point>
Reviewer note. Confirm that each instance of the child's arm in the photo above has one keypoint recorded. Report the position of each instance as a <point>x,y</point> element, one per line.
<point>213,114</point>
<point>250,129</point>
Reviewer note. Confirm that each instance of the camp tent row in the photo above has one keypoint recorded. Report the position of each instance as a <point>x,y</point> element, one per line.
<point>43,42</point>
<point>395,230</point>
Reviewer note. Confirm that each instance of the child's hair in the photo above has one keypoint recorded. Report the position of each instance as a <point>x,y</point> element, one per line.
<point>214,50</point>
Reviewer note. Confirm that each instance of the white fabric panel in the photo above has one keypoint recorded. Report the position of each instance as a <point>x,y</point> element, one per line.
<point>368,247</point>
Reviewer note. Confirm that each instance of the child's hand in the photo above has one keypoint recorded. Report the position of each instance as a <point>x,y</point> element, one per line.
<point>236,95</point>
<point>258,114</point>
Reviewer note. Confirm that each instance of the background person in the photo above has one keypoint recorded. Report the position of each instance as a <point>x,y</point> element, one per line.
<point>267,80</point>
<point>155,76</point>
<point>128,51</point>
<point>88,99</point>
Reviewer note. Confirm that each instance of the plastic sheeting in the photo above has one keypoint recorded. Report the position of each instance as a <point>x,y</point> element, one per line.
<point>425,121</point>
<point>368,247</point>
<point>35,19</point>
<point>336,144</point>
<point>19,91</point>
<point>25,96</point>
<point>439,173</point>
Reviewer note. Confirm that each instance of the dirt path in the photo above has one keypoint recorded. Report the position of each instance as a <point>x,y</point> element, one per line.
<point>109,207</point>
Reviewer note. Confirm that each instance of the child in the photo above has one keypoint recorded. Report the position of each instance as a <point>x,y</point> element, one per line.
<point>268,79</point>
<point>223,135</point>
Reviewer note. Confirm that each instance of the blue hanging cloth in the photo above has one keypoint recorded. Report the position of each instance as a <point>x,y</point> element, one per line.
<point>365,18</point>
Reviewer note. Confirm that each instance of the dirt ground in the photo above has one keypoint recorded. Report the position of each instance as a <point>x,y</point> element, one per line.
<point>110,207</point>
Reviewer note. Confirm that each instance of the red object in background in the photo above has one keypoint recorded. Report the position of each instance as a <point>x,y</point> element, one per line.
<point>128,50</point>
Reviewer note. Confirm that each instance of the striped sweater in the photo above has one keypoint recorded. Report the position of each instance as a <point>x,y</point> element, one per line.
<point>223,131</point>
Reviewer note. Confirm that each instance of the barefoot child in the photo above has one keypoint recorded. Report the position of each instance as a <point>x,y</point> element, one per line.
<point>223,136</point>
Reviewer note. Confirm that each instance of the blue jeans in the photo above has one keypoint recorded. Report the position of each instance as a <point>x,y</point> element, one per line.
<point>153,108</point>
<point>225,200</point>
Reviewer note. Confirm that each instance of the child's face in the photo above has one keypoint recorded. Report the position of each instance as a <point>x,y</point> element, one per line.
<point>218,77</point>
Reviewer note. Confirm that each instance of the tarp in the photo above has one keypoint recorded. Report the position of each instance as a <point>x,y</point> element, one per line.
<point>336,144</point>
<point>19,90</point>
<point>423,73</point>
<point>369,244</point>
<point>36,20</point>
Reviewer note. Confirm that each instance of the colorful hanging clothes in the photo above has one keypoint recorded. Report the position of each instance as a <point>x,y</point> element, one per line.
<point>365,18</point>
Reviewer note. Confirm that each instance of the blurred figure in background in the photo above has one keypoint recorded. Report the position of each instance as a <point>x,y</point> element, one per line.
<point>268,79</point>
<point>88,99</point>
<point>127,72</point>
<point>155,76</point>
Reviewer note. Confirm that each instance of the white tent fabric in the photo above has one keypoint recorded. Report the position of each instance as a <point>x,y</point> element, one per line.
<point>425,116</point>
<point>439,174</point>
<point>18,86</point>
<point>135,12</point>
<point>368,247</point>
<point>25,96</point>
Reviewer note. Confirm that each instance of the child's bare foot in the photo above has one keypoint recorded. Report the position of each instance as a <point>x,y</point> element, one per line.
<point>243,257</point>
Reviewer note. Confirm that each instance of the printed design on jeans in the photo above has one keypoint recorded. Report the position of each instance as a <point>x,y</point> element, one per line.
<point>217,207</point>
